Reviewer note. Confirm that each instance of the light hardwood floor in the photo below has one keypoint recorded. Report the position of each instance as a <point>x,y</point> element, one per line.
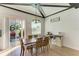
<point>54,51</point>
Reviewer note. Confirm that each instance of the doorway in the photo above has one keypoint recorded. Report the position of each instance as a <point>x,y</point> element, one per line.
<point>16,31</point>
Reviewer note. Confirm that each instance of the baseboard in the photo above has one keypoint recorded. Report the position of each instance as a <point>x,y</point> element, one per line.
<point>70,48</point>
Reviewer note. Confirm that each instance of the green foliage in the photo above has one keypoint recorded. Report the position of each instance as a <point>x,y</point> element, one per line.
<point>15,27</point>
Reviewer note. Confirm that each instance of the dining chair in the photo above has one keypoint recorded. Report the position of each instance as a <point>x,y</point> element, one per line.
<point>22,48</point>
<point>35,36</point>
<point>29,37</point>
<point>38,44</point>
<point>25,47</point>
<point>45,43</point>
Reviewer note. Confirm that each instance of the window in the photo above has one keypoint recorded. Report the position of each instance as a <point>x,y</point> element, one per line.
<point>36,28</point>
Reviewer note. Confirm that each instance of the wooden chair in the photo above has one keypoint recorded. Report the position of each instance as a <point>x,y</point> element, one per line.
<point>38,44</point>
<point>35,36</point>
<point>25,46</point>
<point>22,48</point>
<point>45,43</point>
<point>29,37</point>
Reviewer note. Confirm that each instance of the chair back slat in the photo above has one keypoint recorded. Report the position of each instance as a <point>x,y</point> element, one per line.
<point>46,41</point>
<point>29,37</point>
<point>39,43</point>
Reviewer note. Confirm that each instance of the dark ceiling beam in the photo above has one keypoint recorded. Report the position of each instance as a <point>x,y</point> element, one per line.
<point>40,10</point>
<point>24,4</point>
<point>60,11</point>
<point>19,10</point>
<point>75,5</point>
<point>54,5</point>
<point>41,13</point>
<point>29,4</point>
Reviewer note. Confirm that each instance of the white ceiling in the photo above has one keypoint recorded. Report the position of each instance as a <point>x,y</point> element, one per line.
<point>51,10</point>
<point>47,10</point>
<point>29,9</point>
<point>65,4</point>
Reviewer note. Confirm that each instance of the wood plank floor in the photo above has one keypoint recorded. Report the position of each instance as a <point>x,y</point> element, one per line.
<point>54,51</point>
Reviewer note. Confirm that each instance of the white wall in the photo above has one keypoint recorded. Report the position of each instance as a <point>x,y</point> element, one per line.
<point>8,14</point>
<point>1,29</point>
<point>69,25</point>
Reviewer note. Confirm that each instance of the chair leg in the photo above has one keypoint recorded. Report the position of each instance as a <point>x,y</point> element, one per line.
<point>21,52</point>
<point>41,49</point>
<point>31,51</point>
<point>47,48</point>
<point>36,51</point>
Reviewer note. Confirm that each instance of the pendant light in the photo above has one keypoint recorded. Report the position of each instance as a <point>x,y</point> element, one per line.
<point>36,6</point>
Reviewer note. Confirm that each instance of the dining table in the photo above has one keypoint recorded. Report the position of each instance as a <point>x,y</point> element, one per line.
<point>31,43</point>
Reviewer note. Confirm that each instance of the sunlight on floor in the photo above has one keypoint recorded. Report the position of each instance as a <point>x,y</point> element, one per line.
<point>7,51</point>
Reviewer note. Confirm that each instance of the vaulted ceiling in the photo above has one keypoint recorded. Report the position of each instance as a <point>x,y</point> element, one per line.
<point>39,9</point>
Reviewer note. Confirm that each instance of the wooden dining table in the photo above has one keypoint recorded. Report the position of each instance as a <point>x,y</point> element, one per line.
<point>31,43</point>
